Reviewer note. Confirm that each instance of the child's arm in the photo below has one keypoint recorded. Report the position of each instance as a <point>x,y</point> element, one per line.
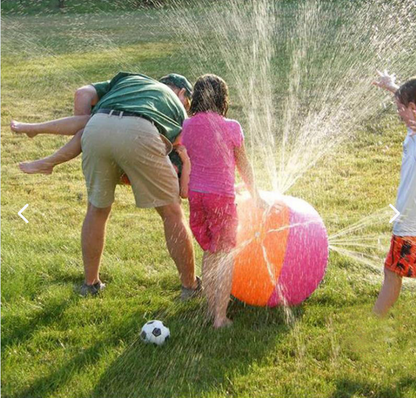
<point>386,81</point>
<point>246,172</point>
<point>186,170</point>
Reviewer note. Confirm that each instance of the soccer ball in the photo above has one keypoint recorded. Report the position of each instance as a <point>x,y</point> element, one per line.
<point>155,332</point>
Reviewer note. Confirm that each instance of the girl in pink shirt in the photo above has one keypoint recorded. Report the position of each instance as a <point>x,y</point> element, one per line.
<point>215,146</point>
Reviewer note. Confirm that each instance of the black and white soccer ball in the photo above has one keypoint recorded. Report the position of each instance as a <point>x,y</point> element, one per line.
<point>155,332</point>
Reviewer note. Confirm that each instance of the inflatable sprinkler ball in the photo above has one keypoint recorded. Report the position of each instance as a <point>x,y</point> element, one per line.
<point>281,256</point>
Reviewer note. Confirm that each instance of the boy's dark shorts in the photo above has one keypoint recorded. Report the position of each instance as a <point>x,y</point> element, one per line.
<point>401,258</point>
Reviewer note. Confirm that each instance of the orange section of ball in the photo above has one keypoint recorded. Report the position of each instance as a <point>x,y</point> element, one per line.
<point>258,237</point>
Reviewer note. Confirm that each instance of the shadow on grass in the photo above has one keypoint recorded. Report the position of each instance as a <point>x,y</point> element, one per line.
<point>19,329</point>
<point>59,376</point>
<point>197,359</point>
<point>346,388</point>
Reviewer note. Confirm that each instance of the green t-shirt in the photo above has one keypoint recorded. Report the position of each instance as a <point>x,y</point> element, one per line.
<point>141,94</point>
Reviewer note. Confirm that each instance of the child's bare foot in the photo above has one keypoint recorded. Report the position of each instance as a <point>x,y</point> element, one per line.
<point>222,323</point>
<point>36,167</point>
<point>23,128</point>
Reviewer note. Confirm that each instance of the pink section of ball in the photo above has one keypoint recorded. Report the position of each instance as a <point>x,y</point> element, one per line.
<point>306,255</point>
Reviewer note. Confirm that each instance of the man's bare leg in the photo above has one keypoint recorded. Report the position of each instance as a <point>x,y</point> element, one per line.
<point>179,243</point>
<point>45,166</point>
<point>389,293</point>
<point>92,239</point>
<point>66,126</point>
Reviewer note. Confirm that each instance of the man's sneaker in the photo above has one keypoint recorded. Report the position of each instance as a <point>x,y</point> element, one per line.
<point>93,290</point>
<point>188,293</point>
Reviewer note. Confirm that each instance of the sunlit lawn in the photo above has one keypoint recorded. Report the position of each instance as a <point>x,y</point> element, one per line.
<point>56,344</point>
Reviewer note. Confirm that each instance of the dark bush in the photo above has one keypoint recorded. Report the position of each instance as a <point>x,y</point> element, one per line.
<point>32,7</point>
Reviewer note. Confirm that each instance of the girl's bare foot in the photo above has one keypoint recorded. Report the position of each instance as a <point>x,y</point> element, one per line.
<point>23,128</point>
<point>37,167</point>
<point>223,322</point>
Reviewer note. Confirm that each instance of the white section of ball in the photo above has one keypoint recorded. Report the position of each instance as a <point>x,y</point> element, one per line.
<point>154,332</point>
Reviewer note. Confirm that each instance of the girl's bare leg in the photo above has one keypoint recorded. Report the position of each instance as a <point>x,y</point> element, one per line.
<point>45,166</point>
<point>225,263</point>
<point>208,280</point>
<point>66,126</point>
<point>389,293</point>
<point>217,279</point>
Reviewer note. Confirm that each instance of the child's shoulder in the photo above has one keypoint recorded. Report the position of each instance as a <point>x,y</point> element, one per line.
<point>230,122</point>
<point>202,118</point>
<point>193,118</point>
<point>233,124</point>
<point>188,121</point>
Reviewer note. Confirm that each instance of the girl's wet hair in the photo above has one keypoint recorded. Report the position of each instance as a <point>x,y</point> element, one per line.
<point>407,92</point>
<point>210,94</point>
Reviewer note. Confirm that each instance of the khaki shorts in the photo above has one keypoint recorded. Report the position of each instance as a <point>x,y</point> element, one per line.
<point>113,144</point>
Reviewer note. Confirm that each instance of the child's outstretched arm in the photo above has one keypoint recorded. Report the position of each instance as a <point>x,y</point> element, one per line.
<point>186,170</point>
<point>386,81</point>
<point>246,172</point>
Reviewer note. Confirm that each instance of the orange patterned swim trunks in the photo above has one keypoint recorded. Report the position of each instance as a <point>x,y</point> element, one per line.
<point>401,258</point>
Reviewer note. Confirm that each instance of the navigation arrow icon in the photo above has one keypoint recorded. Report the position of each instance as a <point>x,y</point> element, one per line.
<point>396,215</point>
<point>21,211</point>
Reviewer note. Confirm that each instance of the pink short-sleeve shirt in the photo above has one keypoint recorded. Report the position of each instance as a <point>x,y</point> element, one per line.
<point>210,140</point>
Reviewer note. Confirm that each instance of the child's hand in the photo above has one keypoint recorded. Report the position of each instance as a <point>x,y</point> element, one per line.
<point>239,188</point>
<point>274,207</point>
<point>263,204</point>
<point>386,81</point>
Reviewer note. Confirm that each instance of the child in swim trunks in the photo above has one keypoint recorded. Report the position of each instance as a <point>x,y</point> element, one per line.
<point>401,259</point>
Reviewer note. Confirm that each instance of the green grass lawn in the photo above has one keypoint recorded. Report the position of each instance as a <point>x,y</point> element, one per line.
<point>57,344</point>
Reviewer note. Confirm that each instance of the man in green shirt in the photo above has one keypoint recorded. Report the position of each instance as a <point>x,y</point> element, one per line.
<point>134,122</point>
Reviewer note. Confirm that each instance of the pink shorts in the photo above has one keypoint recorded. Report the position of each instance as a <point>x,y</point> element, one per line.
<point>213,221</point>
